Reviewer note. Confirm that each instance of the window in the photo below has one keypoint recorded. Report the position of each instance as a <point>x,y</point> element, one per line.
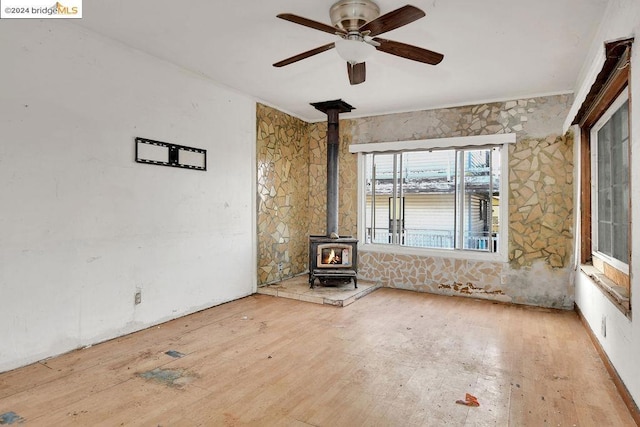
<point>429,197</point>
<point>610,185</point>
<point>605,150</point>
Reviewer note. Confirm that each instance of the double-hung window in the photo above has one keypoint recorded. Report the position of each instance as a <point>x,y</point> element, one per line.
<point>435,195</point>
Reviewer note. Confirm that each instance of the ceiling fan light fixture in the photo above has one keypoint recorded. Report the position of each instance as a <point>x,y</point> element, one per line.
<point>356,23</point>
<point>349,15</point>
<point>354,51</point>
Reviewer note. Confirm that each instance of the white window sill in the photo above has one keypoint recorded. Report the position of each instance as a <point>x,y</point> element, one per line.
<point>469,255</point>
<point>617,294</point>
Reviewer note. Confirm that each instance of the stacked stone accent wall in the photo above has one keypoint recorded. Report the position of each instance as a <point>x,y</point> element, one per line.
<point>435,274</point>
<point>347,180</point>
<point>541,202</point>
<point>283,193</point>
<point>528,118</point>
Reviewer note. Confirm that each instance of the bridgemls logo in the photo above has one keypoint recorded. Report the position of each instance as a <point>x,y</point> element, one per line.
<point>25,9</point>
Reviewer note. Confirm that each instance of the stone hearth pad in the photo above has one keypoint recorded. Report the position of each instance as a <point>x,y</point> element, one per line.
<point>338,295</point>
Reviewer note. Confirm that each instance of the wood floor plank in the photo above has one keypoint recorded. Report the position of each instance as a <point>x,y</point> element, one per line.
<point>392,358</point>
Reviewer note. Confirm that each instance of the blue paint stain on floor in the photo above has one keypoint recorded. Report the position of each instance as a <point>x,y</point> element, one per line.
<point>174,353</point>
<point>170,377</point>
<point>10,418</point>
<point>165,376</point>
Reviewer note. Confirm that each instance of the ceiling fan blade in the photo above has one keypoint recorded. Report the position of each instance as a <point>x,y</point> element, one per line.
<point>304,55</point>
<point>357,73</point>
<point>310,23</point>
<point>408,51</point>
<point>392,20</point>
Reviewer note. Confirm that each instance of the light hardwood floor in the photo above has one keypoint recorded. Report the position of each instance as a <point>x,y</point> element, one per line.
<point>393,358</point>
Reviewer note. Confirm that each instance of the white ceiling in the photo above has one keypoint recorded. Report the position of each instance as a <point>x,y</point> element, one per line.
<point>493,49</point>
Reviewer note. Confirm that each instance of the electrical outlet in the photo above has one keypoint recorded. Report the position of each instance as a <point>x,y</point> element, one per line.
<point>137,298</point>
<point>603,327</point>
<point>280,267</point>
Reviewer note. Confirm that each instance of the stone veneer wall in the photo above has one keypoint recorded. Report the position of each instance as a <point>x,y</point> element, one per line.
<point>283,194</point>
<point>347,181</point>
<point>540,204</point>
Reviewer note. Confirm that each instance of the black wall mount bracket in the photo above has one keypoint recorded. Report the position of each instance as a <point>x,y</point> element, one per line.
<point>167,154</point>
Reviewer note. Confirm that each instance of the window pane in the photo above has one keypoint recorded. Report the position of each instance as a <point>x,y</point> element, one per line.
<point>419,198</point>
<point>604,237</point>
<point>620,223</point>
<point>604,205</point>
<point>612,186</point>
<point>619,204</point>
<point>604,156</point>
<point>620,199</point>
<point>428,187</point>
<point>476,217</point>
<point>379,188</point>
<point>624,121</point>
<point>620,239</point>
<point>495,200</point>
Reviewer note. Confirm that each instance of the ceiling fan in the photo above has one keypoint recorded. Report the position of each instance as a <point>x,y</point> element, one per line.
<point>357,23</point>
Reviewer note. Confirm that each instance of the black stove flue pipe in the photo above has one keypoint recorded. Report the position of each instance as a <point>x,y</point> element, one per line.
<point>333,109</point>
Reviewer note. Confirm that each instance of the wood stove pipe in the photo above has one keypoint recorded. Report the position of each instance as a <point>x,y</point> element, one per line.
<point>333,150</point>
<point>333,109</point>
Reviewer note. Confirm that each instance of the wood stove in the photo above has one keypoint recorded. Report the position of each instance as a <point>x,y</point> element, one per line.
<point>332,258</point>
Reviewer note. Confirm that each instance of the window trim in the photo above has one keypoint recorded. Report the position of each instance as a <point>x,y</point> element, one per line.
<point>478,141</point>
<point>434,143</point>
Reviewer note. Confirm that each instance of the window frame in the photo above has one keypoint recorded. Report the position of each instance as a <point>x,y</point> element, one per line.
<point>501,141</point>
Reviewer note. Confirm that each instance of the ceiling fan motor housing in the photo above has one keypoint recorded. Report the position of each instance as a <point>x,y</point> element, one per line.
<point>349,15</point>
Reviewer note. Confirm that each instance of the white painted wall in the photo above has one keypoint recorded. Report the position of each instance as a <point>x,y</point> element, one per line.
<point>622,341</point>
<point>82,226</point>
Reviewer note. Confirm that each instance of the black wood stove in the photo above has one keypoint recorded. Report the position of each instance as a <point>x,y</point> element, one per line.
<point>333,258</point>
